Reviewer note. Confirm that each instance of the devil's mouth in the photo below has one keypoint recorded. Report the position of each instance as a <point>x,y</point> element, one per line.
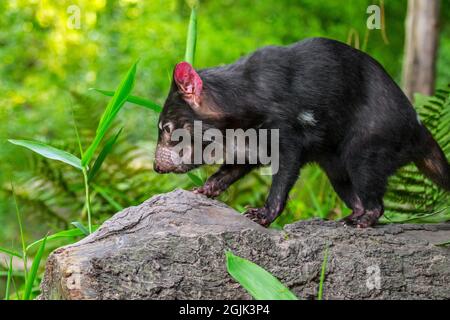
<point>184,169</point>
<point>179,169</point>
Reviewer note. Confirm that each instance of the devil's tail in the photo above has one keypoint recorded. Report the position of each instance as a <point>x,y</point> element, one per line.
<point>432,162</point>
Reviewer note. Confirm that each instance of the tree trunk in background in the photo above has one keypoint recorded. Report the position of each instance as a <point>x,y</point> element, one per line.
<point>421,43</point>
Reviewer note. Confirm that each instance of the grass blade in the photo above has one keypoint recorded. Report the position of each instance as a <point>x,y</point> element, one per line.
<point>8,279</point>
<point>81,227</point>
<point>191,40</point>
<point>102,156</point>
<point>22,237</point>
<point>10,252</point>
<point>49,152</point>
<point>33,271</point>
<point>195,179</point>
<point>133,99</point>
<point>322,274</point>
<point>115,104</point>
<point>257,281</point>
<point>87,201</point>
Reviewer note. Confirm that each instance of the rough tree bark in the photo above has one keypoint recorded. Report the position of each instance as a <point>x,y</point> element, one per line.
<point>421,43</point>
<point>172,247</point>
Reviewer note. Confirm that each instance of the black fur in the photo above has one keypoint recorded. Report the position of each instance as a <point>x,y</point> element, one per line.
<point>363,127</point>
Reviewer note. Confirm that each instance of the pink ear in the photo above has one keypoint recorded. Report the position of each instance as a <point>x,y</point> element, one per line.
<point>189,83</point>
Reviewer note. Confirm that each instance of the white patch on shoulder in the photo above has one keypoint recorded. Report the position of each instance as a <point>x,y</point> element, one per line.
<point>307,118</point>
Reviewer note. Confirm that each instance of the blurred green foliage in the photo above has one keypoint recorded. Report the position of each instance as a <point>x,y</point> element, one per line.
<point>47,67</point>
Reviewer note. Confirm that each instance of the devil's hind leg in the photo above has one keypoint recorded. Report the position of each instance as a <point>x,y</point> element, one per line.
<point>346,192</point>
<point>370,189</point>
<point>342,185</point>
<point>369,171</point>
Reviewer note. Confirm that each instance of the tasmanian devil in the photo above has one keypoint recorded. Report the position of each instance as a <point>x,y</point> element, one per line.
<point>332,104</point>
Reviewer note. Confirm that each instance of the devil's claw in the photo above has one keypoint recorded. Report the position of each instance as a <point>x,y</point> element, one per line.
<point>364,219</point>
<point>208,190</point>
<point>258,215</point>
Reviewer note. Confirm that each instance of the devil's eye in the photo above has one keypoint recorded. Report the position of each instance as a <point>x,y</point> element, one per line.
<point>168,127</point>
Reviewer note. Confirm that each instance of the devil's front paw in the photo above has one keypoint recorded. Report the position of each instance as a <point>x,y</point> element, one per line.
<point>210,190</point>
<point>370,218</point>
<point>259,215</point>
<point>353,218</point>
<point>364,219</point>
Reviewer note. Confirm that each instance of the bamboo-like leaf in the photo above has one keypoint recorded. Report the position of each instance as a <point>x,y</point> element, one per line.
<point>72,233</point>
<point>133,99</point>
<point>115,104</point>
<point>49,152</point>
<point>191,39</point>
<point>107,148</point>
<point>257,281</point>
<point>33,271</point>
<point>10,252</point>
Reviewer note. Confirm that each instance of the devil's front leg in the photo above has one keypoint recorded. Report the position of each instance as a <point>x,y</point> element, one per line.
<point>222,179</point>
<point>282,183</point>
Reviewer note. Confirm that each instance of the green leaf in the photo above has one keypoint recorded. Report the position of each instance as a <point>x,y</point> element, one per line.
<point>10,252</point>
<point>322,273</point>
<point>81,227</point>
<point>33,271</point>
<point>8,279</point>
<point>102,156</point>
<point>115,104</point>
<point>134,99</point>
<point>72,233</point>
<point>195,179</point>
<point>443,244</point>
<point>191,40</point>
<point>49,152</point>
<point>257,281</point>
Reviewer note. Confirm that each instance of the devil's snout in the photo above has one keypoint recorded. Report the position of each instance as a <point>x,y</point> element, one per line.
<point>164,160</point>
<point>157,168</point>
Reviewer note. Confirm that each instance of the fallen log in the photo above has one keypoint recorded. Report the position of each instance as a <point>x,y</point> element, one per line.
<point>173,247</point>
